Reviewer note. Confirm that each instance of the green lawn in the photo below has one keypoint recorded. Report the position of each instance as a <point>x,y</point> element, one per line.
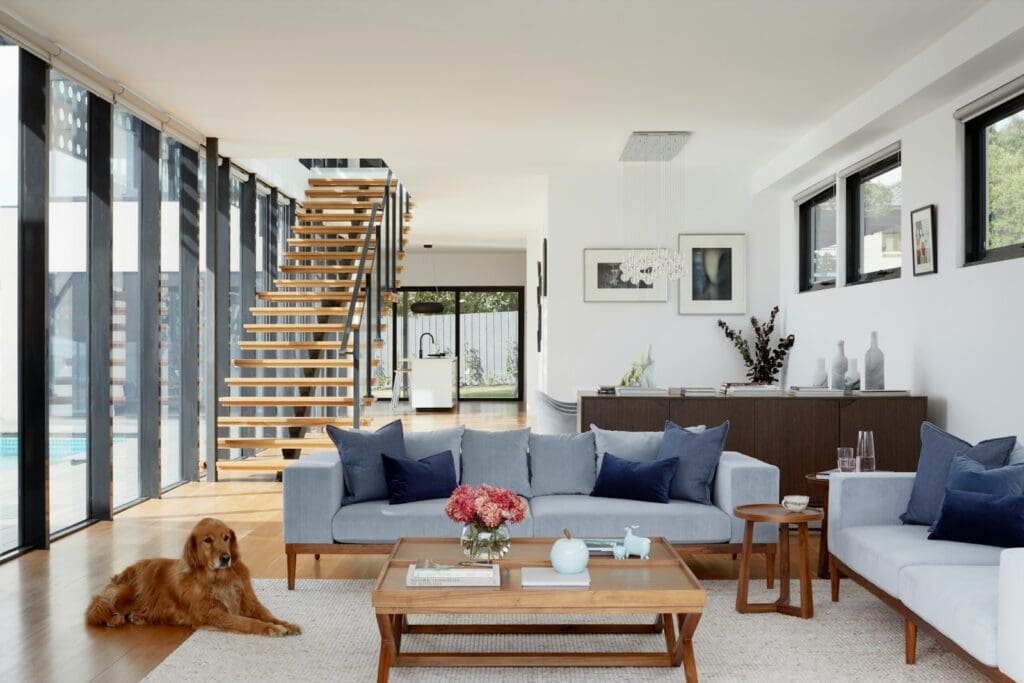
<point>496,391</point>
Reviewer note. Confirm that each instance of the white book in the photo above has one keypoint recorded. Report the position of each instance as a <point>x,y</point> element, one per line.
<point>547,577</point>
<point>868,393</point>
<point>429,570</point>
<point>413,581</point>
<point>640,391</point>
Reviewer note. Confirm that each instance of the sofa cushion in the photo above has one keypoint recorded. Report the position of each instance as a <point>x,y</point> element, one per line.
<point>878,553</point>
<point>1016,455</point>
<point>377,521</point>
<point>635,446</point>
<point>938,448</point>
<point>698,454</point>
<point>496,459</point>
<point>983,518</point>
<point>585,516</point>
<point>961,601</point>
<point>424,479</point>
<point>969,475</point>
<point>562,463</point>
<point>419,445</point>
<point>648,481</point>
<point>360,453</point>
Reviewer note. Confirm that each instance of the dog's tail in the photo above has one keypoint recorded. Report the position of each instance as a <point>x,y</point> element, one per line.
<point>106,607</point>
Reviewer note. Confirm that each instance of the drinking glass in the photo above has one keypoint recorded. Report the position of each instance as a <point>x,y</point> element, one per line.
<point>866,451</point>
<point>846,461</point>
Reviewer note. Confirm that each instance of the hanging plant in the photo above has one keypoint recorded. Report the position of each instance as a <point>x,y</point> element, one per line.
<point>764,364</point>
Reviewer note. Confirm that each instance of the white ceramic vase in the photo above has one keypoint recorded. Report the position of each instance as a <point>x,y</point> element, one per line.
<point>820,377</point>
<point>852,378</point>
<point>874,365</point>
<point>839,367</point>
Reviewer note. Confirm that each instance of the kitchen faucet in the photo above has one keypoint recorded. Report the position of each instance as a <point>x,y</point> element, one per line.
<point>432,341</point>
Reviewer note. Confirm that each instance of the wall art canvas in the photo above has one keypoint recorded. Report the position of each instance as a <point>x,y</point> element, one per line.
<point>602,279</point>
<point>716,279</point>
<point>922,227</point>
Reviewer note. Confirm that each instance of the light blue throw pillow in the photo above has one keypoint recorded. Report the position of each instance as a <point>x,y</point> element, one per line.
<point>634,446</point>
<point>419,445</point>
<point>938,448</point>
<point>497,459</point>
<point>562,464</point>
<point>698,455</point>
<point>969,475</point>
<point>361,465</point>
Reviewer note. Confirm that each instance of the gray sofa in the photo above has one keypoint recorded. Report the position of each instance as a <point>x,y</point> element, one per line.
<point>970,596</point>
<point>315,521</point>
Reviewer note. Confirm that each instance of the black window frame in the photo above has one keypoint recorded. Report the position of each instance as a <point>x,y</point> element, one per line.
<point>976,186</point>
<point>806,209</point>
<point>854,181</point>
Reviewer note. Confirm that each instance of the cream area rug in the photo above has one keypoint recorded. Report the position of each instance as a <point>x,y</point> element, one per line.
<point>856,639</point>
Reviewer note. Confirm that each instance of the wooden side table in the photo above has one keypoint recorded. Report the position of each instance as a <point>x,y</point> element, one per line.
<point>813,482</point>
<point>776,514</point>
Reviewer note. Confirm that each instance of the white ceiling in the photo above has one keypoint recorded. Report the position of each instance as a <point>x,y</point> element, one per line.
<point>474,103</point>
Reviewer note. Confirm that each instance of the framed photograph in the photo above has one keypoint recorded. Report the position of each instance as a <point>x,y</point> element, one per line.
<point>716,279</point>
<point>922,228</point>
<point>602,280</point>
<point>544,260</point>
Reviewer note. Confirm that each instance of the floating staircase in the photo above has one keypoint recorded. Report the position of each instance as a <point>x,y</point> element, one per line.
<point>316,333</point>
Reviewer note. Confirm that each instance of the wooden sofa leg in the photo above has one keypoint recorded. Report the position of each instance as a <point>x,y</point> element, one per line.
<point>833,575</point>
<point>769,566</point>
<point>910,640</point>
<point>291,568</point>
<point>316,556</point>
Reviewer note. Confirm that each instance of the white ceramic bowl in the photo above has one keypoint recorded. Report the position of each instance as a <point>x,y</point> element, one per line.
<point>795,503</point>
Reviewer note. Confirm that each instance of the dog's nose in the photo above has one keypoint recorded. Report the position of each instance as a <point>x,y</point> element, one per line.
<point>225,559</point>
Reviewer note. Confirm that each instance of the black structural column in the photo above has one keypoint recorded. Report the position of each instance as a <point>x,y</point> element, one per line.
<point>213,339</point>
<point>247,282</point>
<point>221,296</point>
<point>101,501</point>
<point>189,208</point>
<point>149,312</point>
<point>33,196</point>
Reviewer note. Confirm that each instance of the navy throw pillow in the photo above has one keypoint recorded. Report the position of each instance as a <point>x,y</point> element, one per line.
<point>981,518</point>
<point>424,479</point>
<point>361,466</point>
<point>938,448</point>
<point>968,475</point>
<point>698,455</point>
<point>649,481</point>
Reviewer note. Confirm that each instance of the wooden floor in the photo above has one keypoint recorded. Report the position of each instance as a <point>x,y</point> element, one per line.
<point>43,594</point>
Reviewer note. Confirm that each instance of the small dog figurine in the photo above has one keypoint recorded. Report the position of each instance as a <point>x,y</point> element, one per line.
<point>636,545</point>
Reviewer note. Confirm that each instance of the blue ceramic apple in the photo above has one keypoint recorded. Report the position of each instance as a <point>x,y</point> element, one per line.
<point>569,555</point>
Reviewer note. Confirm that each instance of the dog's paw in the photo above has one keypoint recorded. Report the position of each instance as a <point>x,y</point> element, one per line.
<point>115,619</point>
<point>293,629</point>
<point>136,618</point>
<point>275,630</point>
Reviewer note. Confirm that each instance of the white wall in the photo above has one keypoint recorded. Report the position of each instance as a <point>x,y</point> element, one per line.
<point>955,336</point>
<point>595,343</point>
<point>429,267</point>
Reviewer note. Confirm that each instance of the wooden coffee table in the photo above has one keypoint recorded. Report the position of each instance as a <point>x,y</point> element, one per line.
<point>662,585</point>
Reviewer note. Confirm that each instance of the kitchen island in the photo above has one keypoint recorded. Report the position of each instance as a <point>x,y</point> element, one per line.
<point>433,383</point>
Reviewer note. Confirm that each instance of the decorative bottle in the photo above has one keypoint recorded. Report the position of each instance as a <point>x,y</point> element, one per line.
<point>839,367</point>
<point>874,365</point>
<point>852,378</point>
<point>820,378</point>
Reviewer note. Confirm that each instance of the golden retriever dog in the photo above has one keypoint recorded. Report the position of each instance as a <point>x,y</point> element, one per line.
<point>208,587</point>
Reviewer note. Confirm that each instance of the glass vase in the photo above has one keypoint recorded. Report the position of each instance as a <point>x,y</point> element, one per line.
<point>485,544</point>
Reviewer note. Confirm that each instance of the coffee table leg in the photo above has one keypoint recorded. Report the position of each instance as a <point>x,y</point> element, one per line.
<point>744,579</point>
<point>806,597</point>
<point>669,623</point>
<point>783,565</point>
<point>684,645</point>
<point>387,648</point>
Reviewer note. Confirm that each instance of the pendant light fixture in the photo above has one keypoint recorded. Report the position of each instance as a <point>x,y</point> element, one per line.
<point>429,307</point>
<point>651,182</point>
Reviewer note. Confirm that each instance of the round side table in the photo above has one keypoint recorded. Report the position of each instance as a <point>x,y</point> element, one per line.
<point>776,514</point>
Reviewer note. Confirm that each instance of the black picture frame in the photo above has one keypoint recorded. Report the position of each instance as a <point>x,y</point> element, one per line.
<point>544,271</point>
<point>540,303</point>
<point>931,248</point>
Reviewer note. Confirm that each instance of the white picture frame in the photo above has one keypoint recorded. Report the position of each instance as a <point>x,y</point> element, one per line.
<point>718,289</point>
<point>601,283</point>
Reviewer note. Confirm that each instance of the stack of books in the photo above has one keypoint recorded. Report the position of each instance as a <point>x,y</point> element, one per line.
<point>606,390</point>
<point>427,573</point>
<point>700,392</point>
<point>815,391</point>
<point>742,389</point>
<point>547,577</point>
<point>640,391</point>
<point>878,393</point>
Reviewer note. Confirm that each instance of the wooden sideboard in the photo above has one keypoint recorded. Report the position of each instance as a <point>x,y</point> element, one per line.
<point>799,435</point>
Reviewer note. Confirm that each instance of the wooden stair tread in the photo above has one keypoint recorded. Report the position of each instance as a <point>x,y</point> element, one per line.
<point>270,401</point>
<point>335,218</point>
<point>296,362</point>
<point>347,193</point>
<point>350,182</point>
<point>306,296</point>
<point>265,464</point>
<point>339,204</point>
<point>320,283</point>
<point>330,242</point>
<point>249,345</point>
<point>300,311</point>
<point>294,327</point>
<point>289,381</point>
<point>257,421</point>
<point>324,269</point>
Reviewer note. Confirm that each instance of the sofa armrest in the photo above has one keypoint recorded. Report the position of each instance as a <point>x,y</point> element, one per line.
<point>312,496</point>
<point>1009,653</point>
<point>867,499</point>
<point>742,480</point>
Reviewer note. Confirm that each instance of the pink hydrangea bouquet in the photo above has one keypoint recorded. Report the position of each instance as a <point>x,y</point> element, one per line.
<point>485,513</point>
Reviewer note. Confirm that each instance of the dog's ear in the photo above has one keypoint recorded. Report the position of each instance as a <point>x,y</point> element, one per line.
<point>234,547</point>
<point>191,553</point>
